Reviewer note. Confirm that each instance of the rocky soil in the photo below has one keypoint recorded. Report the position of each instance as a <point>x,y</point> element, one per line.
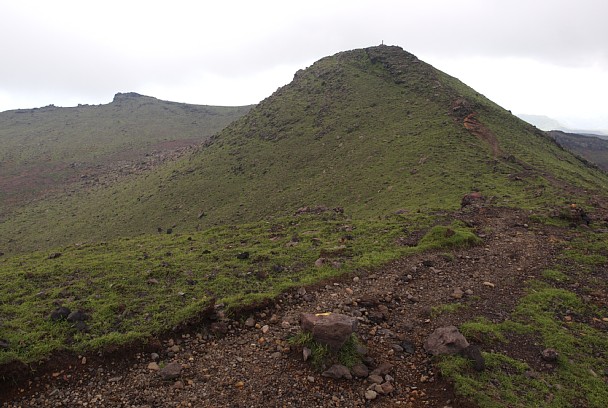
<point>246,361</point>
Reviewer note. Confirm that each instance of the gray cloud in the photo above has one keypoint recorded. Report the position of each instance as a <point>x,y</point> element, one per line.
<point>87,50</point>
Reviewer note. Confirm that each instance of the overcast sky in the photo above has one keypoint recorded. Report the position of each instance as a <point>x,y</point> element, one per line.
<point>545,57</point>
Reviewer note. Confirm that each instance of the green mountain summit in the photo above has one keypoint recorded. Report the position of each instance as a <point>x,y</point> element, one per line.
<point>373,131</point>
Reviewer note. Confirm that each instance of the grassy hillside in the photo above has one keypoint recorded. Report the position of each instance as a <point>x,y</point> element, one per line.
<point>373,131</point>
<point>48,148</point>
<point>133,288</point>
<point>362,159</point>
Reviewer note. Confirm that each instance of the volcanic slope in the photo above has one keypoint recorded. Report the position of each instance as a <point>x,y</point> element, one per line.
<point>372,130</point>
<point>50,149</point>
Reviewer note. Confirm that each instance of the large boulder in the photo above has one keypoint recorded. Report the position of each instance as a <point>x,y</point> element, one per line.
<point>331,329</point>
<point>445,340</point>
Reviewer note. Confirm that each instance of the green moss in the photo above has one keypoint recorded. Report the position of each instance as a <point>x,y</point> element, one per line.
<point>555,275</point>
<point>447,237</point>
<point>322,357</point>
<point>446,308</point>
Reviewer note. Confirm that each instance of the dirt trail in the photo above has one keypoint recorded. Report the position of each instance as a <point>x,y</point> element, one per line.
<point>250,368</point>
<point>477,128</point>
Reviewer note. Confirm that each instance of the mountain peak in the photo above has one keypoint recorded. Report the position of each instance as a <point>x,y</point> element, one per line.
<point>127,96</point>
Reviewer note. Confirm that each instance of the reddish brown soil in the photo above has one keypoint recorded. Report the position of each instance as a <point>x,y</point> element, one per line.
<point>482,132</point>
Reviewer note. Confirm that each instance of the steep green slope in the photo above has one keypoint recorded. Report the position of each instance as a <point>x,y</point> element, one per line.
<point>44,149</point>
<point>373,131</point>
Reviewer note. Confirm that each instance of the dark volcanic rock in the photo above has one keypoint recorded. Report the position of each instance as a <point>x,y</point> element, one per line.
<point>60,313</point>
<point>337,371</point>
<point>171,371</point>
<point>474,354</point>
<point>77,316</point>
<point>408,347</point>
<point>549,355</point>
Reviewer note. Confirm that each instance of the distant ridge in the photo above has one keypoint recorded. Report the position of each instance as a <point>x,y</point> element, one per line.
<point>51,149</point>
<point>546,123</point>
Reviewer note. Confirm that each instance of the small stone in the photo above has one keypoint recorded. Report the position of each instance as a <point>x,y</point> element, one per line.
<point>301,291</point>
<point>250,322</point>
<point>360,370</point>
<point>239,384</point>
<point>458,293</point>
<point>349,291</point>
<point>310,378</point>
<point>285,325</point>
<point>408,347</point>
<point>83,361</point>
<point>489,284</point>
<point>356,279</point>
<point>154,356</point>
<point>174,349</point>
<point>171,371</point>
<point>375,379</point>
<point>276,354</point>
<point>382,369</point>
<point>265,329</point>
<point>370,395</point>
<point>306,352</point>
<point>469,292</point>
<point>115,379</point>
<point>153,366</point>
<point>178,385</point>
<point>60,313</point>
<point>549,355</point>
<point>337,371</point>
